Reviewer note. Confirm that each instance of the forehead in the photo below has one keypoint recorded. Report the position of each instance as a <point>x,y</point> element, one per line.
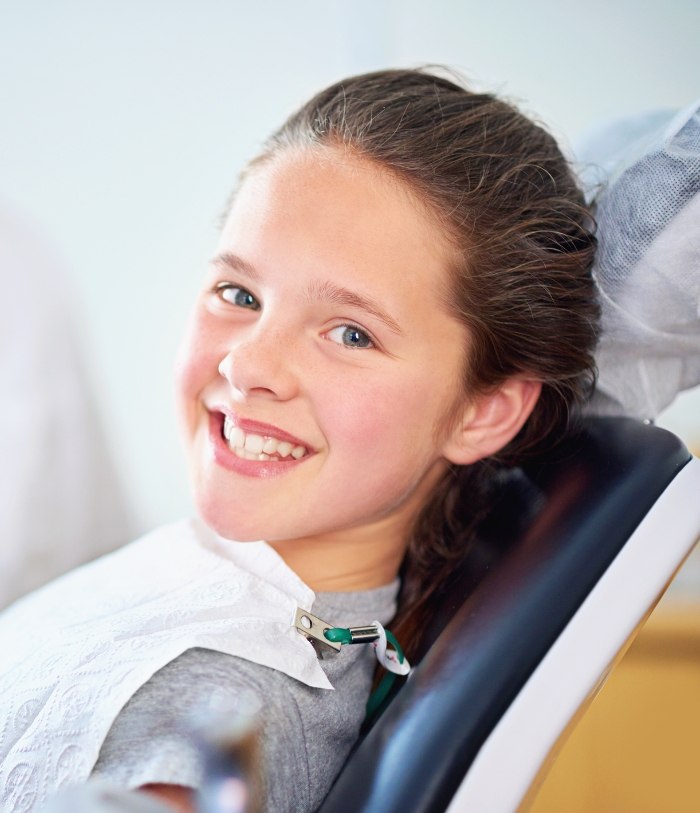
<point>332,212</point>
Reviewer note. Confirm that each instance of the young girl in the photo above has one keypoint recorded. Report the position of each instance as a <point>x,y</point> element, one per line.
<point>400,297</point>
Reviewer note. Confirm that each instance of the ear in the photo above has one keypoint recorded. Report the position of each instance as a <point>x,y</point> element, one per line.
<point>491,421</point>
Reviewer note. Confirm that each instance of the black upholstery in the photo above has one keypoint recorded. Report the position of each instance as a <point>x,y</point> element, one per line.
<point>558,526</point>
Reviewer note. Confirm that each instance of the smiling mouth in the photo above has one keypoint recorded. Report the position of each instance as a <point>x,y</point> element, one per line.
<point>249,446</point>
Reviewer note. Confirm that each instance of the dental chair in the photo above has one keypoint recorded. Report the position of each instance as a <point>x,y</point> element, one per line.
<point>572,560</point>
<point>583,543</point>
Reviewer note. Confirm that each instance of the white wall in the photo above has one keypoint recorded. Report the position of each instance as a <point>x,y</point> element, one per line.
<point>124,125</point>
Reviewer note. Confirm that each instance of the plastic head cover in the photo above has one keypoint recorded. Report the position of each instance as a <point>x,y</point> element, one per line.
<point>648,263</point>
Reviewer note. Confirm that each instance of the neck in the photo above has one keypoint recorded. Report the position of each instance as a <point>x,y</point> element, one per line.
<point>348,560</point>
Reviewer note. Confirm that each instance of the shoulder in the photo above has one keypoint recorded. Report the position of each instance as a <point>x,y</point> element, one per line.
<point>304,733</point>
<point>150,741</point>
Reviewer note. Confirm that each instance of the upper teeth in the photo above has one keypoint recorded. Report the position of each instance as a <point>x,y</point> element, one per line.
<point>258,447</point>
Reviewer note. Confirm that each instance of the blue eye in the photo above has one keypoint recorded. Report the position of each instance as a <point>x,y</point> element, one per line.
<point>350,336</point>
<point>237,296</point>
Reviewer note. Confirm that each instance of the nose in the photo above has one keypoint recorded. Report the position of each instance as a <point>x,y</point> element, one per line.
<point>260,365</point>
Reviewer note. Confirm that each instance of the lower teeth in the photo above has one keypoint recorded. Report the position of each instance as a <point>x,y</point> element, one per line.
<point>244,455</point>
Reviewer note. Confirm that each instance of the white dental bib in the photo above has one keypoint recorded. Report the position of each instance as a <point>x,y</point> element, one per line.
<point>73,653</point>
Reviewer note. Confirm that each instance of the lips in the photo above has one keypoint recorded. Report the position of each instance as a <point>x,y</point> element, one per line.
<point>260,446</point>
<point>235,442</point>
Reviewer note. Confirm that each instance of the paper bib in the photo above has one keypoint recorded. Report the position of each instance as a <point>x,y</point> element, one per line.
<point>74,652</point>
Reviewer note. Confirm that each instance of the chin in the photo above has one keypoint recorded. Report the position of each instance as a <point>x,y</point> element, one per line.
<point>222,523</point>
<point>235,531</point>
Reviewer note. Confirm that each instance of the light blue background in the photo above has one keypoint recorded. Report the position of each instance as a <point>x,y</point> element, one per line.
<point>124,125</point>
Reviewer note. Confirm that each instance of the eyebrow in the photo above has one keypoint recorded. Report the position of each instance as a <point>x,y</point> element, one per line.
<point>317,291</point>
<point>330,292</point>
<point>233,262</point>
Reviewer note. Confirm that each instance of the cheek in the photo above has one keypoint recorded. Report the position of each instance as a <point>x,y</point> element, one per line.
<point>193,370</point>
<point>382,449</point>
<point>396,416</point>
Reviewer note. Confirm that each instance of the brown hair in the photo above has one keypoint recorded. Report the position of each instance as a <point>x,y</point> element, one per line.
<point>510,205</point>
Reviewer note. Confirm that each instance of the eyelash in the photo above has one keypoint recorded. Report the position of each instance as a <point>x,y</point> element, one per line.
<point>221,287</point>
<point>364,333</point>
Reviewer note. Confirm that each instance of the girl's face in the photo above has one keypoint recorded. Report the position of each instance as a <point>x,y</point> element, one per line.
<point>322,348</point>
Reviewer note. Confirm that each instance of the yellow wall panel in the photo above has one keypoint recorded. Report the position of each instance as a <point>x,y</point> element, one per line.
<point>637,747</point>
